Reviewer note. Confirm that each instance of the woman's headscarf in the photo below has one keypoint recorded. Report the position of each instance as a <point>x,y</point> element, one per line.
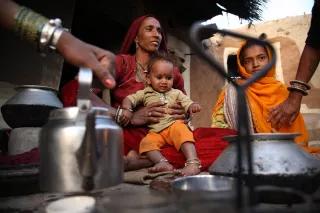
<point>128,45</point>
<point>262,95</point>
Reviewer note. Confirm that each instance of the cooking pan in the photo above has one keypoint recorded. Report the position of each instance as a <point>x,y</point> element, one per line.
<point>205,193</point>
<point>215,193</point>
<point>30,106</point>
<point>276,160</point>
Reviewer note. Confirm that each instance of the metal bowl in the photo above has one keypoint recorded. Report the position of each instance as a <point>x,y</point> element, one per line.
<point>203,183</point>
<point>208,192</point>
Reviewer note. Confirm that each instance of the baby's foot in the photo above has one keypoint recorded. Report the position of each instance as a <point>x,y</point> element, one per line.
<point>192,167</point>
<point>162,166</point>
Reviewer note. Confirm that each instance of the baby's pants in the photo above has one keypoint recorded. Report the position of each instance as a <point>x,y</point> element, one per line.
<point>174,135</point>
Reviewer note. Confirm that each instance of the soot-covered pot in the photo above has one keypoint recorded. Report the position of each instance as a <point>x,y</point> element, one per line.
<point>277,160</point>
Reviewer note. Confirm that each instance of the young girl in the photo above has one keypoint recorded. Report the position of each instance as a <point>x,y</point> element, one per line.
<point>262,95</point>
<point>168,130</point>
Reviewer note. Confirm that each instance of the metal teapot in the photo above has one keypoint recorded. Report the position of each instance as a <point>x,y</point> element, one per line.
<point>80,147</point>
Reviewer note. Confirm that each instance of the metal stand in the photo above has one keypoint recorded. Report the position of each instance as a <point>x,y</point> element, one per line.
<point>244,150</point>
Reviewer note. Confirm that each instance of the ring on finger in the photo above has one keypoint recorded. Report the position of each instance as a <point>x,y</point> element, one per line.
<point>150,114</point>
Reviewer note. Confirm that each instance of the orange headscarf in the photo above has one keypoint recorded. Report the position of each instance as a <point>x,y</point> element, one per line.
<point>262,95</point>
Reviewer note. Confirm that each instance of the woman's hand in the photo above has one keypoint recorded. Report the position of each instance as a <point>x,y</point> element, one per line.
<point>286,112</point>
<point>177,111</point>
<point>148,114</point>
<point>82,54</point>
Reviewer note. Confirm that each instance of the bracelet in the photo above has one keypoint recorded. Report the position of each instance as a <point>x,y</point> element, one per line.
<point>50,35</point>
<point>299,89</point>
<point>163,160</point>
<point>55,38</point>
<point>28,25</point>
<point>307,86</point>
<point>42,33</point>
<point>129,109</point>
<point>195,161</point>
<point>117,114</point>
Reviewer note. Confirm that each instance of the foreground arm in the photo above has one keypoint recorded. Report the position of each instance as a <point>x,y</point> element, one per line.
<point>72,49</point>
<point>285,113</point>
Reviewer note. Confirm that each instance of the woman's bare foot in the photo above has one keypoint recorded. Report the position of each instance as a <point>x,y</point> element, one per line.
<point>162,166</point>
<point>190,169</point>
<point>133,161</point>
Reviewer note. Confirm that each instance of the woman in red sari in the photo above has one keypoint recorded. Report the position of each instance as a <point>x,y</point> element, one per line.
<point>144,38</point>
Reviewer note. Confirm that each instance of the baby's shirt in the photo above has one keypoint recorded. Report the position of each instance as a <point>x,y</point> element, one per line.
<point>148,95</point>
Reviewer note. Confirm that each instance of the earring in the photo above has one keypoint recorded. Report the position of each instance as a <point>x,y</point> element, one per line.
<point>137,44</point>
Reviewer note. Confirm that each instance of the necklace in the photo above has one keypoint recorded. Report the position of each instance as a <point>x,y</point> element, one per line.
<point>141,72</point>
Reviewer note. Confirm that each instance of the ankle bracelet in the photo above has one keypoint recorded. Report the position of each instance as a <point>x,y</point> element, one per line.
<point>195,161</point>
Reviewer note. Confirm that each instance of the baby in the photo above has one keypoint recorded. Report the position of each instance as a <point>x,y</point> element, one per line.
<point>159,80</point>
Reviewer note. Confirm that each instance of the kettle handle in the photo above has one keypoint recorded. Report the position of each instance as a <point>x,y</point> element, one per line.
<point>85,80</point>
<point>86,117</point>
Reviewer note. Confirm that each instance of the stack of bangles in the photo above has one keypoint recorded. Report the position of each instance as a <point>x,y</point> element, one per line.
<point>299,86</point>
<point>43,33</point>
<point>195,161</point>
<point>118,115</point>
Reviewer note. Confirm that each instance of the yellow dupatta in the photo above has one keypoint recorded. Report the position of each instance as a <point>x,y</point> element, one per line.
<point>262,95</point>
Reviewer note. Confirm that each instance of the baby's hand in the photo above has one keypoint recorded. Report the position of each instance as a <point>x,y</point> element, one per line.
<point>125,117</point>
<point>193,108</point>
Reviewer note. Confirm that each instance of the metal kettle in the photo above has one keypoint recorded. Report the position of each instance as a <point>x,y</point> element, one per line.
<point>81,147</point>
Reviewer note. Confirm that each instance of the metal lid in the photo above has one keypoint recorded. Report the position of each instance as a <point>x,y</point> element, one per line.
<point>265,136</point>
<point>72,113</point>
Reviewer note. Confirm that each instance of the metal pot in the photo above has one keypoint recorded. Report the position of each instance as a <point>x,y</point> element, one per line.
<point>277,160</point>
<point>80,147</point>
<point>210,193</point>
<point>30,106</point>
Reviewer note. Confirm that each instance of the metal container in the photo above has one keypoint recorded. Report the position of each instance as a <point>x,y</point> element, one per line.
<point>30,106</point>
<point>81,147</point>
<point>207,193</point>
<point>277,160</point>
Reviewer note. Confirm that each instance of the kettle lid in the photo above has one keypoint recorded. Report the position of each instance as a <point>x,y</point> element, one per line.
<point>72,113</point>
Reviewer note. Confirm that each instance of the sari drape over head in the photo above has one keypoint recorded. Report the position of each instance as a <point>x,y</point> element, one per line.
<point>262,95</point>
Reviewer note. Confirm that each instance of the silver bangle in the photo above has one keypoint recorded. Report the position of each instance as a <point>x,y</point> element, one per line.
<point>55,38</point>
<point>50,35</point>
<point>47,33</point>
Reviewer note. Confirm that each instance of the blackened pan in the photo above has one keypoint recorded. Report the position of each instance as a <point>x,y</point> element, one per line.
<point>30,106</point>
<point>277,160</point>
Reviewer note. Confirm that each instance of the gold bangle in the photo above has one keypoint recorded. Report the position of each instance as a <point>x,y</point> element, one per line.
<point>29,24</point>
